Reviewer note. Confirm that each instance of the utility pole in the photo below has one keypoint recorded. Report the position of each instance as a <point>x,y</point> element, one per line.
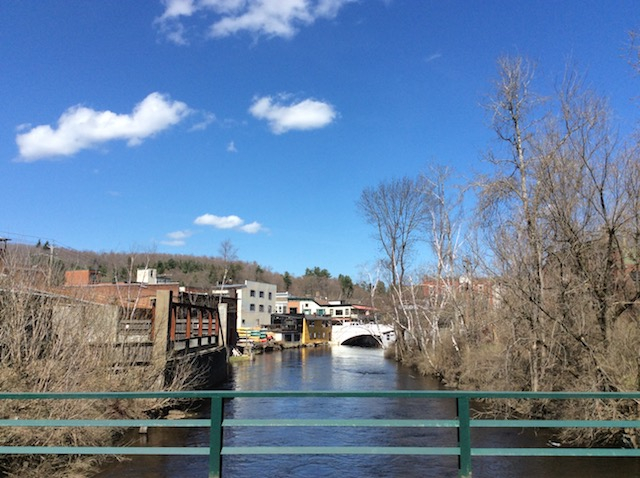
<point>50,248</point>
<point>3,252</point>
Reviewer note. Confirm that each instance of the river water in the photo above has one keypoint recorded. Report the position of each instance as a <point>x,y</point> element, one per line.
<point>349,368</point>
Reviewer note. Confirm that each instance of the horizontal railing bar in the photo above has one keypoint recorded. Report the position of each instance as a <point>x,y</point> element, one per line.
<point>439,394</point>
<point>338,450</point>
<point>603,452</point>
<point>327,422</point>
<point>318,450</point>
<point>555,423</point>
<point>167,423</point>
<point>321,422</point>
<point>102,450</point>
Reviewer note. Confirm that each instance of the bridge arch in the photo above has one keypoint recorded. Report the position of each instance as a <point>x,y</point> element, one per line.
<point>362,334</point>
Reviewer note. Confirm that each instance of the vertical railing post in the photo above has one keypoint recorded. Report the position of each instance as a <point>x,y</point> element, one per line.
<point>173,326</point>
<point>188,332</point>
<point>464,437</point>
<point>152,330</point>
<point>215,438</point>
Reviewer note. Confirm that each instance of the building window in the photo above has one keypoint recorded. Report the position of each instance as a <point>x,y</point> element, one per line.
<point>252,293</point>
<point>261,308</point>
<point>269,309</point>
<point>262,294</point>
<point>270,295</point>
<point>252,307</point>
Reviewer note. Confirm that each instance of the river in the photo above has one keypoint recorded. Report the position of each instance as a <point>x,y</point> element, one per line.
<point>348,368</point>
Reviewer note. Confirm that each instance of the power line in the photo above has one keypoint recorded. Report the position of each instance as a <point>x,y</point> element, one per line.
<point>31,239</point>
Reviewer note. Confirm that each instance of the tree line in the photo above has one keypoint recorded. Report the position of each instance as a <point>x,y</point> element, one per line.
<point>194,271</point>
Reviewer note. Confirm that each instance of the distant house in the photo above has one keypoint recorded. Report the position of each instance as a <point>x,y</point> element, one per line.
<point>289,304</point>
<point>256,303</point>
<point>132,296</point>
<point>287,327</point>
<point>81,277</point>
<point>147,276</point>
<point>339,310</point>
<point>463,287</point>
<point>300,328</point>
<point>282,303</point>
<point>316,329</point>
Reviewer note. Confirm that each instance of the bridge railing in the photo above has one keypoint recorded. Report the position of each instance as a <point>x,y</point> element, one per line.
<point>192,327</point>
<point>217,449</point>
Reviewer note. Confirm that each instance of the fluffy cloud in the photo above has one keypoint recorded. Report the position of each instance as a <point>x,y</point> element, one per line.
<point>177,238</point>
<point>228,222</point>
<point>304,115</point>
<point>177,8</point>
<point>273,18</point>
<point>252,228</point>
<point>81,128</point>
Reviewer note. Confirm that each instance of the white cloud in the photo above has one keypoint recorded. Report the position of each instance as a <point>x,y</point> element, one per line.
<point>177,235</point>
<point>231,147</point>
<point>252,228</point>
<point>81,128</point>
<point>228,222</point>
<point>219,222</point>
<point>207,119</point>
<point>177,238</point>
<point>177,8</point>
<point>304,115</point>
<point>174,243</point>
<point>273,18</point>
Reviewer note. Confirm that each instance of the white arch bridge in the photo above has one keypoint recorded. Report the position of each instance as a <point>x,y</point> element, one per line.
<point>367,334</point>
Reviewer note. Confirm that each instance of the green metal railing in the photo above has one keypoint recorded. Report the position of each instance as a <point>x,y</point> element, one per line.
<point>216,423</point>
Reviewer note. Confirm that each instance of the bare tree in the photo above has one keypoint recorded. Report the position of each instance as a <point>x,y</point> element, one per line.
<point>560,219</point>
<point>510,201</point>
<point>445,241</point>
<point>399,212</point>
<point>229,254</point>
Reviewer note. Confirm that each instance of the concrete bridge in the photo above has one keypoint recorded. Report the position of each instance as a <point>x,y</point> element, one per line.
<point>362,333</point>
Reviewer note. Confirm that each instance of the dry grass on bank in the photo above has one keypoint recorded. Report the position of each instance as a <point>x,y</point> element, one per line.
<point>51,343</point>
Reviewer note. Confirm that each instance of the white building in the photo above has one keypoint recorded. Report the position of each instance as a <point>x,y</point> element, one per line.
<point>282,302</point>
<point>288,304</point>
<point>147,276</point>
<point>256,303</point>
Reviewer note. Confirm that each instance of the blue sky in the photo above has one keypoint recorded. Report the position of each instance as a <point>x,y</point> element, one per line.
<point>171,126</point>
